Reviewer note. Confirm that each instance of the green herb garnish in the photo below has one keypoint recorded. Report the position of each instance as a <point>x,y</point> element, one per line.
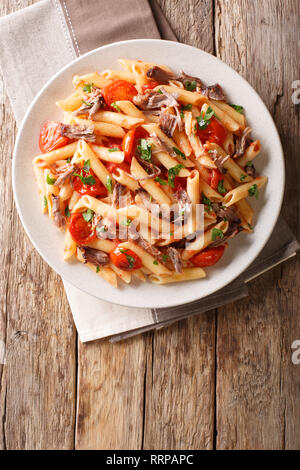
<point>129,258</point>
<point>68,160</point>
<point>207,202</point>
<point>190,85</point>
<point>114,105</point>
<point>216,233</point>
<point>114,149</point>
<point>145,150</point>
<point>126,222</point>
<point>165,257</point>
<point>88,215</point>
<point>186,107</point>
<point>87,165</point>
<point>181,114</point>
<point>160,181</point>
<point>155,262</point>
<point>238,108</point>
<point>172,173</point>
<point>159,91</point>
<point>45,202</point>
<point>249,164</point>
<point>109,184</point>
<point>204,118</point>
<point>87,103</point>
<point>97,269</point>
<point>88,88</point>
<point>50,180</point>
<point>221,188</point>
<point>178,152</point>
<point>243,177</point>
<point>253,191</point>
<point>67,211</point>
<point>89,180</point>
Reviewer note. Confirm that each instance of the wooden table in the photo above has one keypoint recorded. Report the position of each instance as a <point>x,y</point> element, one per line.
<point>222,380</point>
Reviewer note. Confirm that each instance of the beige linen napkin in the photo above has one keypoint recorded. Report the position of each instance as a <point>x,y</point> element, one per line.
<point>35,43</point>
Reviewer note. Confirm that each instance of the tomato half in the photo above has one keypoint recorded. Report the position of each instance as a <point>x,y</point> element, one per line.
<point>149,86</point>
<point>131,140</point>
<point>51,138</point>
<point>125,259</point>
<point>214,132</point>
<point>119,90</point>
<point>216,177</point>
<point>97,189</point>
<point>81,231</point>
<point>208,257</point>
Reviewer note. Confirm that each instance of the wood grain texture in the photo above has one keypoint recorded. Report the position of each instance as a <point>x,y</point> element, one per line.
<point>257,384</point>
<point>37,396</point>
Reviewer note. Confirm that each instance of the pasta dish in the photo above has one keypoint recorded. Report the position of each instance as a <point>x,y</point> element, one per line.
<point>148,173</point>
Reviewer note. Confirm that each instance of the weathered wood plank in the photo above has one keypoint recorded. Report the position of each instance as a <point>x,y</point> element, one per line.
<point>37,396</point>
<point>111,394</point>
<point>180,382</point>
<point>257,384</point>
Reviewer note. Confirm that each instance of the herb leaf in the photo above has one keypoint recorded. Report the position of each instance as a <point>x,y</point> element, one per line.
<point>114,105</point>
<point>238,108</point>
<point>190,85</point>
<point>88,88</point>
<point>178,152</point>
<point>109,184</point>
<point>145,150</point>
<point>129,258</point>
<point>221,188</point>
<point>67,211</point>
<point>160,181</point>
<point>253,191</point>
<point>126,222</point>
<point>88,215</point>
<point>87,103</point>
<point>207,202</point>
<point>50,180</point>
<point>249,164</point>
<point>114,149</point>
<point>87,165</point>
<point>172,172</point>
<point>45,202</point>
<point>242,177</point>
<point>155,262</point>
<point>204,119</point>
<point>89,180</point>
<point>186,107</point>
<point>216,233</point>
<point>97,269</point>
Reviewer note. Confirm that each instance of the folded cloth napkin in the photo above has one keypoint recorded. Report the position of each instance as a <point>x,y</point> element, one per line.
<point>39,40</point>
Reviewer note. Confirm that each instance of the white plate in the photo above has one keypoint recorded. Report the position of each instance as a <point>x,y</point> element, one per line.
<point>241,251</point>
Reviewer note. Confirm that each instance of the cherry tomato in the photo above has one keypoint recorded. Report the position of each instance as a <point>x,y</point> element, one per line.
<point>179,183</point>
<point>125,259</point>
<point>214,132</point>
<point>208,257</point>
<point>112,166</point>
<point>216,177</point>
<point>51,138</point>
<point>119,90</point>
<point>149,86</point>
<point>115,143</point>
<point>97,189</point>
<point>81,231</point>
<point>131,140</point>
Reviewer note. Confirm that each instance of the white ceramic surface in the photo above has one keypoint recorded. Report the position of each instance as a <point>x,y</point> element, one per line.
<point>242,250</point>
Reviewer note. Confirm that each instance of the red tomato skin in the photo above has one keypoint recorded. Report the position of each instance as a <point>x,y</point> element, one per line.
<point>128,145</point>
<point>119,259</point>
<point>208,257</point>
<point>215,132</point>
<point>97,189</point>
<point>149,86</point>
<point>51,138</point>
<point>115,143</point>
<point>216,177</point>
<point>119,90</point>
<point>81,231</point>
<point>111,167</point>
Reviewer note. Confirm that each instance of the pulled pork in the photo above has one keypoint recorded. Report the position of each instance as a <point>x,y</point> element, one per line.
<point>168,123</point>
<point>67,172</point>
<point>77,131</point>
<point>118,191</point>
<point>93,256</point>
<point>91,106</point>
<point>234,227</point>
<point>175,258</point>
<point>155,100</point>
<point>242,141</point>
<point>219,160</point>
<point>58,218</point>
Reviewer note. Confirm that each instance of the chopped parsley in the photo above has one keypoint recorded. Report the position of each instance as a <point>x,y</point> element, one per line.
<point>68,160</point>
<point>145,150</point>
<point>109,184</point>
<point>204,118</point>
<point>97,269</point>
<point>165,257</point>
<point>160,181</point>
<point>45,202</point>
<point>87,103</point>
<point>250,226</point>
<point>243,177</point>
<point>253,191</point>
<point>114,149</point>
<point>89,180</point>
<point>178,152</point>
<point>126,222</point>
<point>88,215</point>
<point>216,233</point>
<point>190,85</point>
<point>155,262</point>
<point>67,211</point>
<point>221,188</point>
<point>238,108</point>
<point>87,165</point>
<point>88,88</point>
<point>207,202</point>
<point>50,180</point>
<point>159,91</point>
<point>249,164</point>
<point>172,173</point>
<point>114,105</point>
<point>181,114</point>
<point>129,258</point>
<point>186,107</point>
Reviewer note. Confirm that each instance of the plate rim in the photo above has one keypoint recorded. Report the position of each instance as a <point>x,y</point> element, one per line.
<point>79,59</point>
